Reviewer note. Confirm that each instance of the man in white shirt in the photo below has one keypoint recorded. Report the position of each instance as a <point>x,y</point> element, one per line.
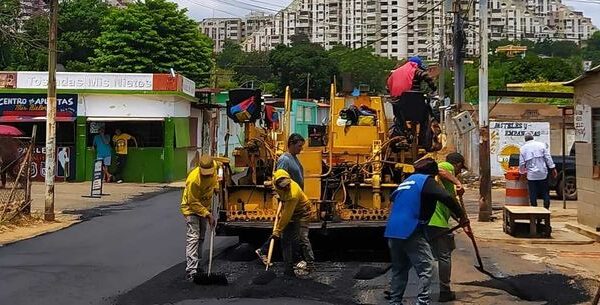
<point>535,160</point>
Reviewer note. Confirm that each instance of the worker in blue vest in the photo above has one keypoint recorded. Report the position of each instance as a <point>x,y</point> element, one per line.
<point>413,204</point>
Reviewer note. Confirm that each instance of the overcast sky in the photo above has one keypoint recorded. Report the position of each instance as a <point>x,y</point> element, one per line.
<point>200,9</point>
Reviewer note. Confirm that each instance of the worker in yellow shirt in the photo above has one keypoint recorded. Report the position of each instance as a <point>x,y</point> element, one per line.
<point>292,227</point>
<point>121,140</point>
<point>200,186</point>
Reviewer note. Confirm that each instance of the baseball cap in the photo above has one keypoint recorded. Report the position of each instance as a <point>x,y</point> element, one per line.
<point>456,158</point>
<point>207,166</point>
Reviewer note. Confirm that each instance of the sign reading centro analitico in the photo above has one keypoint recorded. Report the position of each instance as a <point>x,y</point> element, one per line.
<point>106,81</point>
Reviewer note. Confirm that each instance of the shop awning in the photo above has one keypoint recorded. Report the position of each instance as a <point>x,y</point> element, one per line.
<point>24,119</point>
<point>121,119</point>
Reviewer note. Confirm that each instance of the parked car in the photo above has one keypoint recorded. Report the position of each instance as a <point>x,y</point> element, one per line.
<point>568,186</point>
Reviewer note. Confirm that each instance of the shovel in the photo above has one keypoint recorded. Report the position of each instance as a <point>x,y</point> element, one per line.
<point>210,278</point>
<point>267,276</point>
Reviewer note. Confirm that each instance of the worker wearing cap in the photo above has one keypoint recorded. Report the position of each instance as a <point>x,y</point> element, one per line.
<point>292,227</point>
<point>200,186</point>
<point>443,244</point>
<point>413,204</point>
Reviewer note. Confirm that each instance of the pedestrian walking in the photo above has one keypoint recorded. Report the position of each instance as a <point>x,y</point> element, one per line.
<point>535,161</point>
<point>200,186</point>
<point>121,141</point>
<point>292,228</point>
<point>289,162</point>
<point>103,152</point>
<point>443,244</point>
<point>413,204</point>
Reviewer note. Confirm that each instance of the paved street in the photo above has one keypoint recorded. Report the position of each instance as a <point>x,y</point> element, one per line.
<point>133,254</point>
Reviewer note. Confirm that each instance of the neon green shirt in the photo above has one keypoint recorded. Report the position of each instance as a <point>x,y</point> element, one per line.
<point>442,213</point>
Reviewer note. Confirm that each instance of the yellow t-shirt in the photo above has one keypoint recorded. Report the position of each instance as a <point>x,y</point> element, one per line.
<point>121,143</point>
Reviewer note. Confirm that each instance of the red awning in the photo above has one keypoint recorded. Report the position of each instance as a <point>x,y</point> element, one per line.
<point>24,119</point>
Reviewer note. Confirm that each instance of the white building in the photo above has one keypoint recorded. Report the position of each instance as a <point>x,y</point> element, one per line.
<point>234,29</point>
<point>401,28</point>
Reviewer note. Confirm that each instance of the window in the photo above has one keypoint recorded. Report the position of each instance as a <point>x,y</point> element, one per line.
<point>596,135</point>
<point>307,114</point>
<point>300,114</point>
<point>147,133</point>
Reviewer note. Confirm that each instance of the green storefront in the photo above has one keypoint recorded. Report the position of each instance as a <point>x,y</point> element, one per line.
<point>166,125</point>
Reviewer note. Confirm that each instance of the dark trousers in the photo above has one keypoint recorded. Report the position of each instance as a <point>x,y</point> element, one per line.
<point>120,162</point>
<point>539,188</point>
<point>295,245</point>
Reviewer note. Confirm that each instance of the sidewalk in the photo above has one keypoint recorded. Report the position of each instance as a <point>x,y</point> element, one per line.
<point>566,249</point>
<point>68,199</point>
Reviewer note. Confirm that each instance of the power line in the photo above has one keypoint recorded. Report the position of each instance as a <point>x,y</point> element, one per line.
<point>244,5</point>
<point>212,8</point>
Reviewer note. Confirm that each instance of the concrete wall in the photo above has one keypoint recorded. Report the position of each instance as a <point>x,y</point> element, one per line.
<point>588,212</point>
<point>587,92</point>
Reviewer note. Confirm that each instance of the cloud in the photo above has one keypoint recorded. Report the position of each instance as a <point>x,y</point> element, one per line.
<point>201,9</point>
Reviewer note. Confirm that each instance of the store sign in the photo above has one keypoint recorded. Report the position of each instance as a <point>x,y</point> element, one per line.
<point>583,123</point>
<point>64,166</point>
<point>188,86</point>
<point>90,81</point>
<point>506,138</point>
<point>22,104</point>
<point>96,190</point>
<point>8,80</point>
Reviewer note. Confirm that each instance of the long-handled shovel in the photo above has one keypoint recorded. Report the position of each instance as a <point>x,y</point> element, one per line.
<point>267,276</point>
<point>596,298</point>
<point>211,278</point>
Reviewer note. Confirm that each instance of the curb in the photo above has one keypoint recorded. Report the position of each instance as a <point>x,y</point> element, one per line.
<point>63,225</point>
<point>537,241</point>
<point>587,232</point>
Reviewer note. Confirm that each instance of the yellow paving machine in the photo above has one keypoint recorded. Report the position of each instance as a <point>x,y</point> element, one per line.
<point>351,165</point>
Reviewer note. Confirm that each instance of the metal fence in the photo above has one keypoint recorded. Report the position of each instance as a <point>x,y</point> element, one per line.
<point>15,184</point>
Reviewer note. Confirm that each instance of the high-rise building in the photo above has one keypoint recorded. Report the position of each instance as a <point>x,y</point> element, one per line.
<point>234,29</point>
<point>32,7</point>
<point>401,28</point>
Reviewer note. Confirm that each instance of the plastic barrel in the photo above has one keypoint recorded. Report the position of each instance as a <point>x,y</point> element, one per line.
<point>516,189</point>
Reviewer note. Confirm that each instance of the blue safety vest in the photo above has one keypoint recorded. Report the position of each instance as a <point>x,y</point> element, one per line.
<point>406,208</point>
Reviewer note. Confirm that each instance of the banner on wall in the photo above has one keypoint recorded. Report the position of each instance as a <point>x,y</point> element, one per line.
<point>506,138</point>
<point>65,169</point>
<point>16,104</point>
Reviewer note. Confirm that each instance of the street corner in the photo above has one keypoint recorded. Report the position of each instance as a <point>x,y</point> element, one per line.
<point>35,226</point>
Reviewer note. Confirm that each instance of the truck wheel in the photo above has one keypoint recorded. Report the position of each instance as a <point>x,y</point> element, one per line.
<point>569,187</point>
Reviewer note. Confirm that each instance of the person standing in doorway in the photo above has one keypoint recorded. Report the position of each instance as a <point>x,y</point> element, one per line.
<point>103,152</point>
<point>289,162</point>
<point>200,186</point>
<point>535,161</point>
<point>120,140</point>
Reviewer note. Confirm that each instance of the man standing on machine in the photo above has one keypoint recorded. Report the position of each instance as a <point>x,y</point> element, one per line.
<point>289,162</point>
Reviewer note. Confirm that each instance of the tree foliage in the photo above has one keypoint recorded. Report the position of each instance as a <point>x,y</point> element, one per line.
<point>294,65</point>
<point>153,36</point>
<point>363,66</point>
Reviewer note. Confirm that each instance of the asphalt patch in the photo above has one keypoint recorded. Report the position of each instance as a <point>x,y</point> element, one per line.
<point>552,288</point>
<point>242,253</point>
<point>370,272</point>
<point>264,278</point>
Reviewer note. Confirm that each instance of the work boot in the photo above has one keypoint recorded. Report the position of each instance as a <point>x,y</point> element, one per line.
<point>447,296</point>
<point>190,276</point>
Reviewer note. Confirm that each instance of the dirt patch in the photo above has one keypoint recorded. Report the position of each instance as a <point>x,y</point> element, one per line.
<point>29,226</point>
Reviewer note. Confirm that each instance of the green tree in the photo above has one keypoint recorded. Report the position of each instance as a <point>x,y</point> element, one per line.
<point>230,56</point>
<point>591,51</point>
<point>364,66</point>
<point>153,36</point>
<point>293,65</point>
<point>254,66</point>
<point>78,31</point>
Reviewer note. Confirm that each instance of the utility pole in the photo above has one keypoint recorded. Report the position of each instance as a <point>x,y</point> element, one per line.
<point>51,113</point>
<point>458,43</point>
<point>442,54</point>
<point>485,184</point>
<point>307,85</point>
